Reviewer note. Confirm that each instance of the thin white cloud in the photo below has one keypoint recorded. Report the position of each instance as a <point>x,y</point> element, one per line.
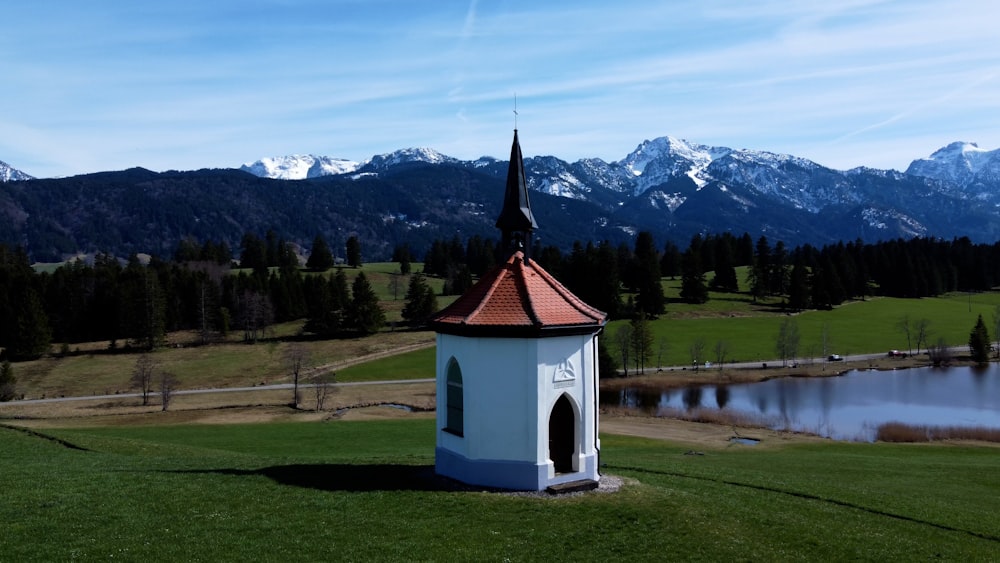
<point>190,84</point>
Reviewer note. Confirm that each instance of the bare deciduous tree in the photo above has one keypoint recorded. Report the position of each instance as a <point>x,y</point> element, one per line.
<point>922,329</point>
<point>168,383</point>
<point>143,376</point>
<point>697,350</point>
<point>256,314</point>
<point>825,335</point>
<point>721,352</point>
<point>323,385</point>
<point>396,284</point>
<point>906,327</point>
<point>296,358</point>
<point>940,353</point>
<point>642,341</point>
<point>787,342</point>
<point>661,351</point>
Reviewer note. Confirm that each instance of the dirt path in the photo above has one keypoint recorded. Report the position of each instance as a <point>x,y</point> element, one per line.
<point>699,434</point>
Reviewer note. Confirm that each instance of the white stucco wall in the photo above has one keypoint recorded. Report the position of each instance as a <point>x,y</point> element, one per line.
<point>510,386</point>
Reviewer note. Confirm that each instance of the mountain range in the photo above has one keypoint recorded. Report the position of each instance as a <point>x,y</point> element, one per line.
<point>671,187</point>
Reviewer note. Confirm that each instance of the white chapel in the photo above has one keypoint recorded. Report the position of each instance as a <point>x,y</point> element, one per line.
<point>517,378</point>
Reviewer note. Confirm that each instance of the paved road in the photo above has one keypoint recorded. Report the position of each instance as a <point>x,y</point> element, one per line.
<point>332,367</point>
<point>276,386</point>
<point>777,363</point>
<point>328,368</point>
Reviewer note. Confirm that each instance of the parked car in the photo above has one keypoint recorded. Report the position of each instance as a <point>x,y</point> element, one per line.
<point>895,354</point>
<point>835,358</point>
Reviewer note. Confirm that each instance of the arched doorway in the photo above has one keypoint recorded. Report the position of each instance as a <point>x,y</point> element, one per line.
<point>562,435</point>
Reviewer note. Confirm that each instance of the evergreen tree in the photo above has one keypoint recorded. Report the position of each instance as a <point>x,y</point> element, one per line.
<point>403,255</point>
<point>353,248</point>
<point>757,274</point>
<point>607,366</point>
<point>436,260</point>
<point>479,255</point>
<point>288,260</point>
<point>670,262</point>
<point>798,287</point>
<point>777,274</point>
<point>459,281</point>
<point>979,342</point>
<point>32,334</point>
<point>321,258</point>
<point>187,251</point>
<point>743,253</point>
<point>143,313</point>
<point>641,341</point>
<point>725,271</point>
<point>254,255</point>
<point>326,301</point>
<point>366,315</point>
<point>693,288</point>
<point>548,257</point>
<point>421,302</point>
<point>607,282</point>
<point>650,299</point>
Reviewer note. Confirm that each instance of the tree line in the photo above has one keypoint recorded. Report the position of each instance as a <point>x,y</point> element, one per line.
<point>624,280</point>
<point>133,304</point>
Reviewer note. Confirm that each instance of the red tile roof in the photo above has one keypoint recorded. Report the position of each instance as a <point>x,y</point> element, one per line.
<point>518,298</point>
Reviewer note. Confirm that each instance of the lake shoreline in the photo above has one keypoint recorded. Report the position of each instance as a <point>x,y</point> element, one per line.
<point>680,378</point>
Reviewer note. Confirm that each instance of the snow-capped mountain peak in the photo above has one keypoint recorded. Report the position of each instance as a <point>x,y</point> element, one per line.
<point>413,154</point>
<point>654,162</point>
<point>11,174</point>
<point>959,163</point>
<point>299,167</point>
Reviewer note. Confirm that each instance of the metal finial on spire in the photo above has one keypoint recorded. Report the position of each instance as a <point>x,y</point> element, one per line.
<point>515,111</point>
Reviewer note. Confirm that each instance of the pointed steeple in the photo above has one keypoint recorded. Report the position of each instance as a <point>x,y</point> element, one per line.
<point>516,221</point>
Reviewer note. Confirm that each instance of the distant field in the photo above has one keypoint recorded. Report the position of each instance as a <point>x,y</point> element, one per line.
<point>749,330</point>
<point>364,491</point>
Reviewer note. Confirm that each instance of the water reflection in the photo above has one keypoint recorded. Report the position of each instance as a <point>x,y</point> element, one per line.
<point>849,407</point>
<point>692,397</point>
<point>721,396</point>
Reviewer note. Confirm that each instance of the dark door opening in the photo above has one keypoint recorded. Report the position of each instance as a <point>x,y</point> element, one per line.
<point>562,433</point>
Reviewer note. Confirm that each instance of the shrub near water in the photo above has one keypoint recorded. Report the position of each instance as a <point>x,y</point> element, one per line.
<point>899,432</point>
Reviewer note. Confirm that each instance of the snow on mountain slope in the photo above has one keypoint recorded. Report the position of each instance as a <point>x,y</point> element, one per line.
<point>299,167</point>
<point>800,182</point>
<point>10,174</point>
<point>960,169</point>
<point>383,162</point>
<point>657,161</point>
<point>958,163</point>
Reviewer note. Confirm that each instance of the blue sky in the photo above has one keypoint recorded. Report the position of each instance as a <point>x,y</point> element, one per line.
<point>186,84</point>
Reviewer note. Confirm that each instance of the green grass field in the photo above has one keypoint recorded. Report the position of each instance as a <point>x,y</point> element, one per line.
<point>750,330</point>
<point>363,491</point>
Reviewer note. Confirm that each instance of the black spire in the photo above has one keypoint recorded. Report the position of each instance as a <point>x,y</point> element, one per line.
<point>516,221</point>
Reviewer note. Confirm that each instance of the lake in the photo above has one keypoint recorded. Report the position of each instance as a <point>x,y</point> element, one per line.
<point>847,407</point>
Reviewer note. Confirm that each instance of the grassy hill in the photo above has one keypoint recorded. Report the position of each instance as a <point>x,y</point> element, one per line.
<point>364,491</point>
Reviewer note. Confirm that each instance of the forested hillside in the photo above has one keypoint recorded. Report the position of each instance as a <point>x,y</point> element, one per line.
<point>139,211</point>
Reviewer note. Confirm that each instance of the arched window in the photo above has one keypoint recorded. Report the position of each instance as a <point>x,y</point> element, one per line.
<point>455,413</point>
